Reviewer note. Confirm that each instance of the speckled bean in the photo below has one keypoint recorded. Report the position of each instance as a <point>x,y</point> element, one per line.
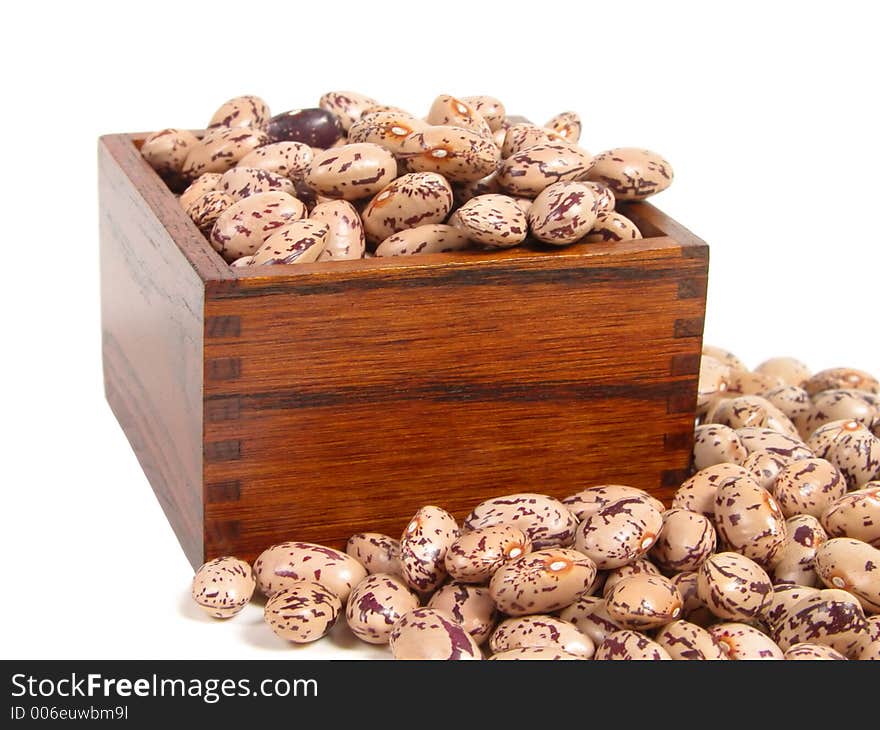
<point>743,642</point>
<point>427,633</point>
<point>697,493</point>
<point>488,107</point>
<point>753,411</point>
<point>243,227</point>
<point>748,519</point>
<point>535,653</point>
<point>471,606</point>
<point>347,106</point>
<point>590,500</point>
<point>830,617</point>
<point>687,641</point>
<point>733,587</point>
<point>795,560</point>
<point>241,182</point>
<point>221,149</point>
<point>717,444</point>
<point>345,235</point>
<point>644,602</point>
<point>282,565</point>
<point>837,378</point>
<point>460,155</point>
<point>203,184</point>
<point>423,547</point>
<point>544,520</point>
<point>685,541</point>
<point>851,447</point>
<point>448,111</point>
<point>630,645</point>
<point>590,615</point>
<point>300,242</point>
<point>378,553</point>
<point>494,221</point>
<point>619,533</point>
<point>809,652</point>
<point>531,170</point>
<point>290,159</point>
<point>352,171</point>
<point>207,208</point>
<point>476,555</point>
<point>614,227</point>
<point>375,604</point>
<point>808,486</point>
<point>853,566</point>
<point>303,612</point>
<point>223,587</point>
<point>542,581</point>
<point>167,149</point>
<point>541,631</point>
<point>412,200</point>
<point>567,125</point>
<point>242,111</point>
<point>855,515</point>
<point>563,213</point>
<point>633,174</point>
<point>429,238</point>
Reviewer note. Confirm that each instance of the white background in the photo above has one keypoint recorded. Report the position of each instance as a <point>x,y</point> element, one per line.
<point>768,112</point>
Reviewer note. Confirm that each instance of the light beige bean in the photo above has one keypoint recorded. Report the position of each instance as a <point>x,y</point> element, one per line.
<point>203,184</point>
<point>717,444</point>
<point>614,227</point>
<point>241,182</point>
<point>795,560</point>
<point>590,615</point>
<point>221,149</point>
<point>837,378</point>
<point>488,107</point>
<point>566,124</point>
<point>790,369</point>
<point>348,106</point>
<point>748,519</point>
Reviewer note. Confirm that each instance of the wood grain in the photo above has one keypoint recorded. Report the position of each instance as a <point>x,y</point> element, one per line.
<point>341,396</point>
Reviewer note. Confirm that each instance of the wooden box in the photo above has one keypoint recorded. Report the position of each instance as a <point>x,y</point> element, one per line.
<point>311,402</point>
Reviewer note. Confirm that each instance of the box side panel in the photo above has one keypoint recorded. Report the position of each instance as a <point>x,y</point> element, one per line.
<point>339,407</point>
<point>152,313</point>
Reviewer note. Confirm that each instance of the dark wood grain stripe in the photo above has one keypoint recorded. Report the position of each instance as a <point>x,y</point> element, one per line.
<point>685,364</point>
<point>216,451</point>
<point>673,477</point>
<point>223,368</point>
<point>688,328</point>
<point>682,402</point>
<point>681,391</point>
<point>219,533</point>
<point>225,409</point>
<point>218,492</point>
<point>677,441</point>
<point>223,326</point>
<point>692,288</point>
<point>488,275</point>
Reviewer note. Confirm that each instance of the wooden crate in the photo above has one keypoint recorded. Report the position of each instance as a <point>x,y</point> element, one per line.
<point>311,402</point>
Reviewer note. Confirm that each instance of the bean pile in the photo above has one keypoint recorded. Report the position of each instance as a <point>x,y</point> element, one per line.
<point>353,178</point>
<point>770,550</point>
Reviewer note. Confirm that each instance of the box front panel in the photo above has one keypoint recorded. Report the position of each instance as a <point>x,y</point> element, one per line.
<point>343,405</point>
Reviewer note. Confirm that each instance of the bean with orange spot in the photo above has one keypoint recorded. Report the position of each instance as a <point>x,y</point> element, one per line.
<point>541,582</point>
<point>619,533</point>
<point>853,566</point>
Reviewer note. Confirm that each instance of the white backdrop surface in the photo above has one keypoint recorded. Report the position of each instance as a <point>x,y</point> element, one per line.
<point>768,112</point>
